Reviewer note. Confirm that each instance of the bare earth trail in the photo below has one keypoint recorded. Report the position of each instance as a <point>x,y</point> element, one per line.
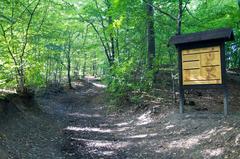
<point>75,125</point>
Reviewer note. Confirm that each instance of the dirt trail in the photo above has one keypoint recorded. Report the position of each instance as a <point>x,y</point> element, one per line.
<point>74,125</point>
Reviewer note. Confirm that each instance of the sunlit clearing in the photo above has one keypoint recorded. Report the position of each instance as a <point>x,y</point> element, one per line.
<point>99,85</point>
<point>90,78</point>
<point>237,140</point>
<point>144,118</point>
<point>99,152</point>
<point>224,130</point>
<point>170,126</point>
<point>141,136</point>
<point>71,128</point>
<point>195,140</point>
<point>84,115</point>
<point>79,84</point>
<point>103,125</point>
<point>5,91</point>
<point>213,152</point>
<point>191,141</point>
<point>108,153</point>
<point>103,143</point>
<point>124,123</point>
<point>184,143</point>
<point>122,129</point>
<point>90,91</point>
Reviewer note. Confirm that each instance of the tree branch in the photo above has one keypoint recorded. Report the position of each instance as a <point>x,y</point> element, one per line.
<point>6,18</point>
<point>103,26</point>
<point>185,7</point>
<point>103,44</point>
<point>161,11</point>
<point>27,30</point>
<point>9,50</point>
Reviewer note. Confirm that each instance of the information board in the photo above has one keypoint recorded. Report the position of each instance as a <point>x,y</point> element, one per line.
<point>201,66</point>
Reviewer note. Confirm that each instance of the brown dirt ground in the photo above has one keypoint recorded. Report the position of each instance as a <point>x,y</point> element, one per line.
<point>74,124</point>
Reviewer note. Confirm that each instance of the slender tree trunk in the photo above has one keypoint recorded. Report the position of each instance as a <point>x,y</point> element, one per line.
<point>46,73</point>
<point>127,49</point>
<point>94,65</point>
<point>179,20</point>
<point>60,75</point>
<point>76,72</point>
<point>69,72</point>
<point>84,65</point>
<point>112,43</point>
<point>68,56</point>
<point>55,74</point>
<point>151,33</point>
<point>21,84</point>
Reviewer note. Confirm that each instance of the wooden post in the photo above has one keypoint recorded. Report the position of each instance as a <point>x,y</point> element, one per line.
<point>181,90</point>
<point>225,101</point>
<point>181,101</point>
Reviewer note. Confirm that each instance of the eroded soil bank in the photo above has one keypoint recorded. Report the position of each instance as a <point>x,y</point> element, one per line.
<point>74,124</point>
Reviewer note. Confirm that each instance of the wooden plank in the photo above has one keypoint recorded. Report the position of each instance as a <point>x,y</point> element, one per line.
<point>210,59</point>
<point>209,73</point>
<point>191,65</point>
<point>202,50</point>
<point>190,57</point>
<point>202,82</point>
<point>189,75</point>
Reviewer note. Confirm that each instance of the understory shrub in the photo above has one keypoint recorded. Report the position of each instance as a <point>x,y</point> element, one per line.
<point>127,80</point>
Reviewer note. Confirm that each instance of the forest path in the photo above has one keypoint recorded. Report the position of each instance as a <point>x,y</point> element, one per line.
<point>92,133</point>
<point>75,125</point>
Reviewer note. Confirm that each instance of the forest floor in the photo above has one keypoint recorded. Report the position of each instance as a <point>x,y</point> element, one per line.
<point>75,124</point>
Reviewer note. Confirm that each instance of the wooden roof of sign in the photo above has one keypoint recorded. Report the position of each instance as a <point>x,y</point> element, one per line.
<point>218,34</point>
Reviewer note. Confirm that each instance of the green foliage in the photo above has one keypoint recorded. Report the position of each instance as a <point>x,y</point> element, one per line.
<point>127,80</point>
<point>87,34</point>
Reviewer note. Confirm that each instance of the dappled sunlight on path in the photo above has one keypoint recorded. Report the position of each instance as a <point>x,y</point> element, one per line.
<point>100,130</point>
<point>99,85</point>
<point>92,133</point>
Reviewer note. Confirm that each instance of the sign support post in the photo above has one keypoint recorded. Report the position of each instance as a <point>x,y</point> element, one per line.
<point>225,101</point>
<point>181,102</point>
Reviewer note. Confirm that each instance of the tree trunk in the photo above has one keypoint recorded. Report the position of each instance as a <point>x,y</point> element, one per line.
<point>94,66</point>
<point>69,72</point>
<point>68,53</point>
<point>112,42</point>
<point>21,84</point>
<point>76,72</point>
<point>179,20</point>
<point>127,49</point>
<point>47,71</point>
<point>150,34</point>
<point>60,76</point>
<point>84,65</point>
<point>21,80</point>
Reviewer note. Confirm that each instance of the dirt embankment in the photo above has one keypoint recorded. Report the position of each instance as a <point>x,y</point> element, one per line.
<point>26,132</point>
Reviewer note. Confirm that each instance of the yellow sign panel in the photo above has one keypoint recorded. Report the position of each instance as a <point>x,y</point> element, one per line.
<point>201,66</point>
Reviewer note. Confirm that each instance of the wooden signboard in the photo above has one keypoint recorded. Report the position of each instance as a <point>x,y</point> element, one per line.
<point>201,66</point>
<point>202,61</point>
